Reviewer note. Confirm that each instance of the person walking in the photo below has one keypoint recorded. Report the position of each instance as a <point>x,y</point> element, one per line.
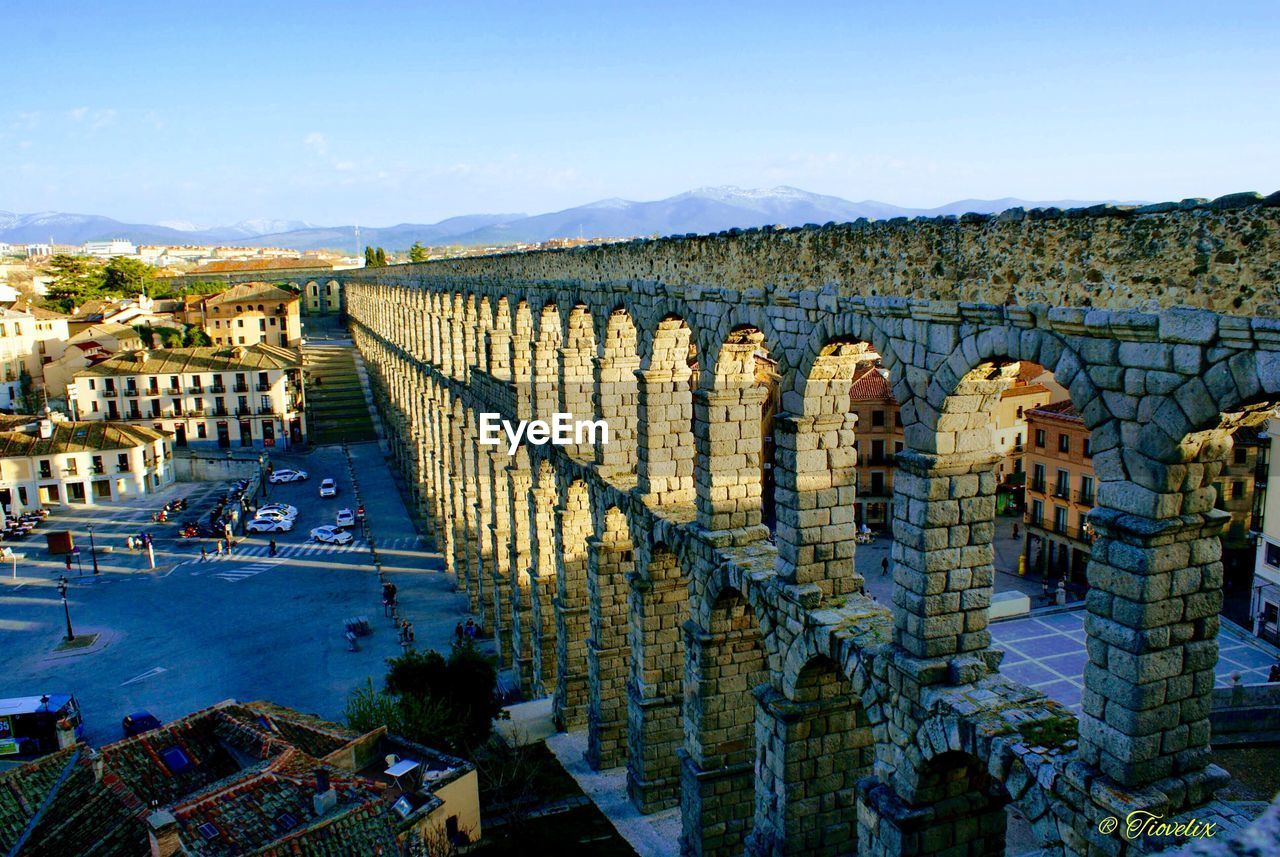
<point>271,548</point>
<point>457,632</point>
<point>67,557</point>
<point>218,548</point>
<point>884,566</point>
<point>1015,530</point>
<point>204,553</point>
<point>470,629</point>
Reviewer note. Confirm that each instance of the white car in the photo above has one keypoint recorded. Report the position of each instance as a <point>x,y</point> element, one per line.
<point>274,515</point>
<point>287,476</point>
<point>345,518</point>
<point>331,535</point>
<point>269,525</point>
<point>283,508</point>
<point>328,488</point>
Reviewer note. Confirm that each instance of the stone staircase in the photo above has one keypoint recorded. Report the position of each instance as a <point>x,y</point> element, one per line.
<point>337,410</point>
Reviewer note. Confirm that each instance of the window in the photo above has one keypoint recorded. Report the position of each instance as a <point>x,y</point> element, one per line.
<point>93,384</point>
<point>1237,490</point>
<point>1059,519</point>
<point>897,418</point>
<point>1062,485</point>
<point>1037,512</point>
<point>1064,443</point>
<point>1019,411</point>
<point>202,431</point>
<point>1040,438</point>
<point>1273,554</point>
<point>122,462</point>
<point>877,418</point>
<point>877,484</point>
<point>97,464</point>
<point>1241,455</point>
<point>1086,489</point>
<point>262,325</point>
<point>73,468</point>
<point>93,406</point>
<point>897,446</point>
<point>46,469</point>
<point>102,489</point>
<point>877,451</point>
<point>1088,450</point>
<point>1037,478</point>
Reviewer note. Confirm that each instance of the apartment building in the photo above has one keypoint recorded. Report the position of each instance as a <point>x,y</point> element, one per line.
<point>877,439</point>
<point>218,396</point>
<point>29,338</point>
<point>90,345</point>
<point>47,462</point>
<point>250,313</point>
<point>1060,493</point>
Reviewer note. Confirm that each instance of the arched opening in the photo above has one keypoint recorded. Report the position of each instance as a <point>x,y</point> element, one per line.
<point>724,666</point>
<point>966,808</point>
<point>659,607</point>
<point>617,393</point>
<point>666,453</point>
<point>572,606</point>
<point>499,342</point>
<point>610,562</point>
<point>577,375</point>
<point>734,426</point>
<point>814,744</point>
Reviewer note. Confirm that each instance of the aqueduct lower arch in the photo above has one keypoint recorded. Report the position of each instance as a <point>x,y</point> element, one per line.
<point>638,588</point>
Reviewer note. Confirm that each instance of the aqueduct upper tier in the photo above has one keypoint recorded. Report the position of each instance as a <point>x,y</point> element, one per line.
<point>687,593</point>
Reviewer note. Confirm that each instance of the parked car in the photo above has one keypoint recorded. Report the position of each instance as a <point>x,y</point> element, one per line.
<point>328,488</point>
<point>331,535</point>
<point>288,476</point>
<point>139,722</point>
<point>345,518</point>
<point>269,525</point>
<point>282,508</point>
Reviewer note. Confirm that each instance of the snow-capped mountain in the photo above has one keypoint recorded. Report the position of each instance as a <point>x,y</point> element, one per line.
<point>707,209</point>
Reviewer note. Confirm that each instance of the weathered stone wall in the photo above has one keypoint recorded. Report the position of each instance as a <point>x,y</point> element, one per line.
<point>784,660</point>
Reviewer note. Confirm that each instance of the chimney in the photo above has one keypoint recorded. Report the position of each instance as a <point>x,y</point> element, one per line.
<point>325,797</point>
<point>46,429</point>
<point>162,830</point>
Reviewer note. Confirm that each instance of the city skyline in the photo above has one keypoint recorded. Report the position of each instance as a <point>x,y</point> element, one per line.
<point>407,115</point>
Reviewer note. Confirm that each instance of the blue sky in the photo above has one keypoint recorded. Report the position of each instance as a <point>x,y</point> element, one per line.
<point>379,113</point>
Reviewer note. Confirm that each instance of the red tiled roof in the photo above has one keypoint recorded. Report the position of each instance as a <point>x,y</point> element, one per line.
<point>1063,410</point>
<point>871,386</point>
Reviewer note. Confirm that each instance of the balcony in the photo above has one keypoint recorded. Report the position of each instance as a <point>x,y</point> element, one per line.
<point>173,391</point>
<point>1062,492</point>
<point>134,415</point>
<point>266,409</point>
<point>97,470</point>
<point>262,388</point>
<point>1037,485</point>
<point>240,388</point>
<point>219,412</point>
<point>122,468</point>
<point>218,390</point>
<point>131,391</point>
<point>153,391</point>
<point>197,389</point>
<point>1085,498</point>
<point>243,410</point>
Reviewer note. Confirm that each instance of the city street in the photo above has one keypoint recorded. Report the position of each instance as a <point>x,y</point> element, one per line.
<point>249,626</point>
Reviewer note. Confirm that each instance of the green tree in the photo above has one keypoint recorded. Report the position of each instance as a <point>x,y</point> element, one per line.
<point>168,337</point>
<point>380,258</point>
<point>147,333</point>
<point>417,253</point>
<point>28,398</point>
<point>126,276</point>
<point>76,279</point>
<point>370,260</point>
<point>447,702</point>
<point>195,336</point>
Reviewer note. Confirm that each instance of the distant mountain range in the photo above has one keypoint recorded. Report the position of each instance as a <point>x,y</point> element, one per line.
<point>709,209</point>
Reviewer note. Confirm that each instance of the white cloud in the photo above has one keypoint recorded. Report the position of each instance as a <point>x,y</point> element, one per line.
<point>316,142</point>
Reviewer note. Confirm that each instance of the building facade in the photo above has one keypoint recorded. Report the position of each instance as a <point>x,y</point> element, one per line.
<point>251,313</point>
<point>1060,493</point>
<point>44,462</point>
<point>209,397</point>
<point>29,339</point>
<point>879,440</point>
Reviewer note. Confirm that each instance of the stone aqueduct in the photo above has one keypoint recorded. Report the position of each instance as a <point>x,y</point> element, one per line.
<point>742,673</point>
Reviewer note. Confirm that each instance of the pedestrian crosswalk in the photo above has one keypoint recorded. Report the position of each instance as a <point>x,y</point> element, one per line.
<point>304,549</point>
<point>244,572</point>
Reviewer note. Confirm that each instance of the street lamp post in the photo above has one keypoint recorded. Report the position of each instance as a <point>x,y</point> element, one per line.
<point>62,590</point>
<point>93,550</point>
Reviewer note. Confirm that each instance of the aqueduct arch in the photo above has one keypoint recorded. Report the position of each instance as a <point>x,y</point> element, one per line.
<point>702,652</point>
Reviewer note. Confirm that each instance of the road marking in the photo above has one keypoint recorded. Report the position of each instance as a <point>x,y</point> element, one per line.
<point>245,572</point>
<point>151,673</point>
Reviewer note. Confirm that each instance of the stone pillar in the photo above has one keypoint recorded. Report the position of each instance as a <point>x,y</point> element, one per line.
<point>543,580</point>
<point>617,398</point>
<point>726,429</point>
<point>816,470</point>
<point>659,605</point>
<point>944,514</point>
<point>572,607</point>
<point>970,822</point>
<point>813,751</point>
<point>1156,591</point>
<point>501,569</point>
<point>609,562</point>
<point>664,426</point>
<point>523,633</point>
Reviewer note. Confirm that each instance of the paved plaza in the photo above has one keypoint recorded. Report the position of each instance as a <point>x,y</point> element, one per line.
<point>250,626</point>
